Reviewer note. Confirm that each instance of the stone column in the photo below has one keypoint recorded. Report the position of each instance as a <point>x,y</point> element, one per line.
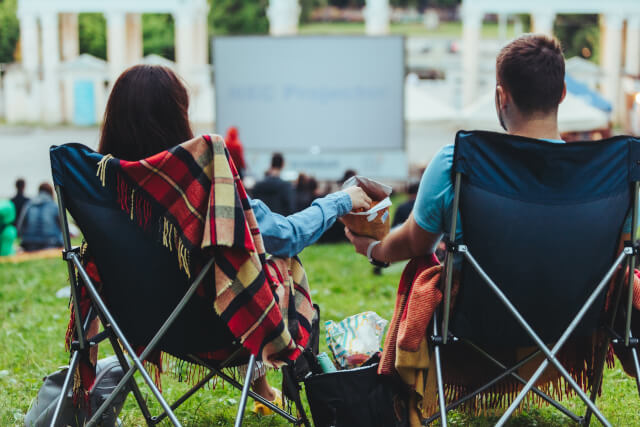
<point>543,22</point>
<point>471,34</point>
<point>283,17</point>
<point>52,93</point>
<point>503,23</point>
<point>116,43</point>
<point>632,51</point>
<point>612,59</point>
<point>29,42</point>
<point>69,36</point>
<point>184,33</point>
<point>376,17</point>
<point>201,55</point>
<point>134,38</point>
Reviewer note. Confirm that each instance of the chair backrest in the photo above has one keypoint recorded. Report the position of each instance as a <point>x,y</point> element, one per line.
<point>142,281</point>
<point>544,221</point>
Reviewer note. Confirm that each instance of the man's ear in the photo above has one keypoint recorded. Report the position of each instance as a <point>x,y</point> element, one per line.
<point>564,93</point>
<point>502,97</point>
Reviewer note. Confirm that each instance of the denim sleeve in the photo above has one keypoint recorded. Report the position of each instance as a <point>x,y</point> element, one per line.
<point>288,236</point>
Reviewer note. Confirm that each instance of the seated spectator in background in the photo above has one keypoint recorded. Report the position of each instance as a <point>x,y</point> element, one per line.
<point>404,210</point>
<point>19,200</point>
<point>8,232</point>
<point>306,189</point>
<point>275,192</point>
<point>347,174</point>
<point>39,224</point>
<point>234,145</point>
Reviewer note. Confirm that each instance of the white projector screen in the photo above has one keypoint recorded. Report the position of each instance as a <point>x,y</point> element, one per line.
<point>327,103</point>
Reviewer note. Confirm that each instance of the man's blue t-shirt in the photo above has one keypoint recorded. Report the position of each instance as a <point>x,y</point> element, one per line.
<point>434,203</point>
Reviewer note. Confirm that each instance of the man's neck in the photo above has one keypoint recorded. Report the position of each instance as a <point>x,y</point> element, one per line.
<point>543,127</point>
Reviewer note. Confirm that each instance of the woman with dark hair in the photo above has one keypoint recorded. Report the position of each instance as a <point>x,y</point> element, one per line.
<point>147,113</point>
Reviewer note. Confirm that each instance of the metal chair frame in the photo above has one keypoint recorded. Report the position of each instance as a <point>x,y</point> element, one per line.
<point>118,341</point>
<point>441,336</point>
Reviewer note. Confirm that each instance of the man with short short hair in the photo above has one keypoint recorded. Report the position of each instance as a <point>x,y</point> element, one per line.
<point>275,192</point>
<point>529,88</point>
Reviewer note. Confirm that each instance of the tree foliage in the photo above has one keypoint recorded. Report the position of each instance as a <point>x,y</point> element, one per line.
<point>9,30</point>
<point>579,35</point>
<point>238,17</point>
<point>92,34</point>
<point>158,35</point>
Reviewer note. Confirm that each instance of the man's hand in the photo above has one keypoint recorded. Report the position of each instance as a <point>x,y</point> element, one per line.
<point>360,243</point>
<point>359,198</point>
<point>404,242</point>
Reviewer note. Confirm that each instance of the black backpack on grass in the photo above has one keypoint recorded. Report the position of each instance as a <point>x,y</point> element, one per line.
<point>108,374</point>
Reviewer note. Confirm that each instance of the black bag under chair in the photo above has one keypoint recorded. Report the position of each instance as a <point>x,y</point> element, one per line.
<point>541,226</point>
<point>357,397</point>
<point>168,314</point>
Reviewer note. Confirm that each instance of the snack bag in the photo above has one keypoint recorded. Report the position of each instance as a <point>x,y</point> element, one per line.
<point>375,222</point>
<point>355,339</point>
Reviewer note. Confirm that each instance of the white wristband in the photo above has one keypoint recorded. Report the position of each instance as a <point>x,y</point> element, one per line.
<point>372,261</point>
<point>370,249</point>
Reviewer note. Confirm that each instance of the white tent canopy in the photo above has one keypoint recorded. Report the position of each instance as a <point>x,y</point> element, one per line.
<point>575,115</point>
<point>421,106</point>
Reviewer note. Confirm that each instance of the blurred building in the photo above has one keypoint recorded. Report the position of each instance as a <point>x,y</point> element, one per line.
<point>54,84</point>
<point>619,29</point>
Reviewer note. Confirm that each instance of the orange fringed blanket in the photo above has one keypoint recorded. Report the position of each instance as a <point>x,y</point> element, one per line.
<point>406,352</point>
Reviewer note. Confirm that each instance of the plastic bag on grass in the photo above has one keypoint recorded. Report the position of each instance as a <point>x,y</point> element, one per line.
<point>355,339</point>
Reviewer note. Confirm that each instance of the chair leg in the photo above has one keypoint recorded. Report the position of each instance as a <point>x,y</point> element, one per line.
<point>596,382</point>
<point>245,391</point>
<point>65,387</point>
<point>636,365</point>
<point>441,400</point>
<point>137,394</point>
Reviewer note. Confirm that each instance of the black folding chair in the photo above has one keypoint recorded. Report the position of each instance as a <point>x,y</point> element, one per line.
<point>146,301</point>
<point>541,227</point>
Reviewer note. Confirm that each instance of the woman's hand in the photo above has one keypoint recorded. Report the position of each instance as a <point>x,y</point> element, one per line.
<point>360,243</point>
<point>359,198</point>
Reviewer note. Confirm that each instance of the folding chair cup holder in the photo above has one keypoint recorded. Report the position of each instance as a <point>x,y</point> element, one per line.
<point>173,321</point>
<point>541,224</point>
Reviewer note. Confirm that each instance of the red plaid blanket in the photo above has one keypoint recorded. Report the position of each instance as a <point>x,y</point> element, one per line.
<point>192,198</point>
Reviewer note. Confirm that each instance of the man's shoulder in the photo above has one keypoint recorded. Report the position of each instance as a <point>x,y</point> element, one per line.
<point>445,154</point>
<point>442,162</point>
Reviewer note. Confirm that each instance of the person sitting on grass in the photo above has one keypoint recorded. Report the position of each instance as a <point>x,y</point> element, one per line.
<point>19,200</point>
<point>8,232</point>
<point>39,224</point>
<point>147,112</point>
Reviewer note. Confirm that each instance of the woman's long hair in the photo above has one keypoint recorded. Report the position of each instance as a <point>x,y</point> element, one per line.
<point>147,112</point>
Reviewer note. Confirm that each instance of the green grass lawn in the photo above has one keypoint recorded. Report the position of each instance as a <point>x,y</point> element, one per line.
<point>33,322</point>
<point>445,30</point>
